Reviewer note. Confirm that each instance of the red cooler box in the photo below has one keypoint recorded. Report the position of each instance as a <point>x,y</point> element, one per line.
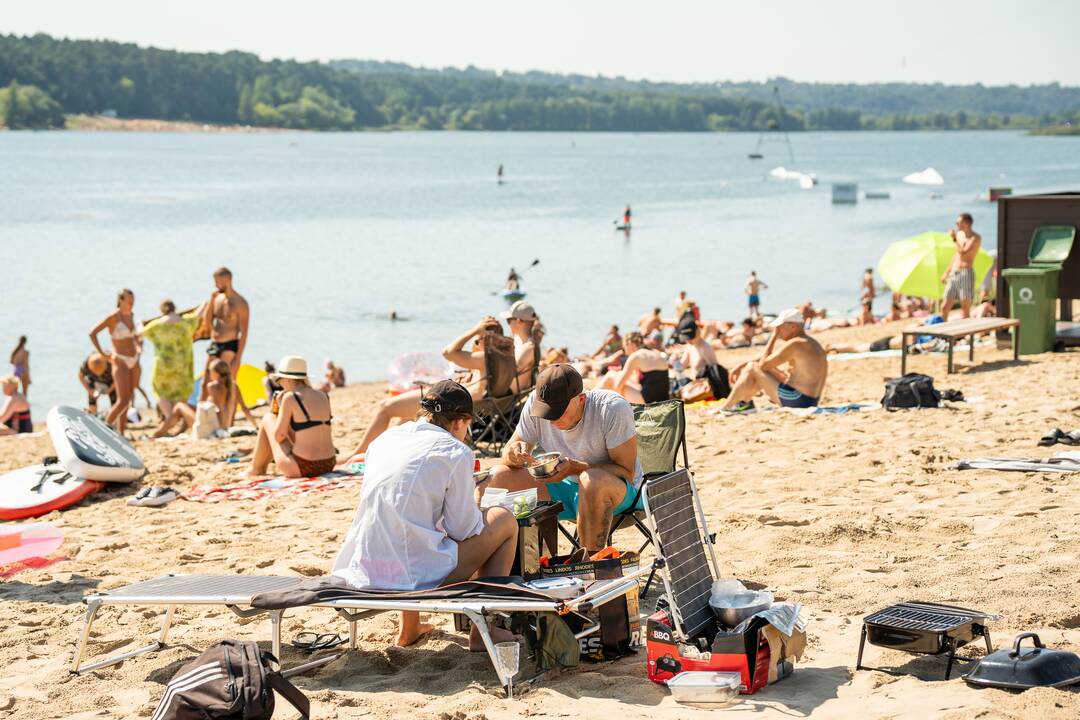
<point>747,654</point>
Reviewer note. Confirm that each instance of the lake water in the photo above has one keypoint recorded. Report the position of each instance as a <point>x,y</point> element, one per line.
<point>326,233</point>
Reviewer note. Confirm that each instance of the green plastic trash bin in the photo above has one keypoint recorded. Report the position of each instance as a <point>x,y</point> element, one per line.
<point>1033,289</point>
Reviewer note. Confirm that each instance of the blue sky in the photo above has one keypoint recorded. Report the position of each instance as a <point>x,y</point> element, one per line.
<point>953,41</point>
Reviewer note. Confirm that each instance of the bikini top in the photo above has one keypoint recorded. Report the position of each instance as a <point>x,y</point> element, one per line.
<point>121,331</point>
<point>309,423</point>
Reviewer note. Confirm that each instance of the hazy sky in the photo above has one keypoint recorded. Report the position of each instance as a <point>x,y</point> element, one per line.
<point>953,41</point>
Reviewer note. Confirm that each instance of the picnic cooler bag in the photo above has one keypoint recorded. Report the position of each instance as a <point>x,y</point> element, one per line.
<point>233,680</point>
<point>911,391</point>
<point>619,627</point>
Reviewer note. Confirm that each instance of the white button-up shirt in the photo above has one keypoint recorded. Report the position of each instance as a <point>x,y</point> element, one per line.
<point>417,502</point>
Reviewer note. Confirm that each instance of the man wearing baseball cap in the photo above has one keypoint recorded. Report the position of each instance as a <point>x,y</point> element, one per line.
<point>418,525</point>
<point>594,431</point>
<point>801,385</point>
<point>523,323</point>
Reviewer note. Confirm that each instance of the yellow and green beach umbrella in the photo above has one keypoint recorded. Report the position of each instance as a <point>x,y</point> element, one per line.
<point>914,266</point>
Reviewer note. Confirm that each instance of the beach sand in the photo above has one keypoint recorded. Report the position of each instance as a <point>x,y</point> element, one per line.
<point>844,513</point>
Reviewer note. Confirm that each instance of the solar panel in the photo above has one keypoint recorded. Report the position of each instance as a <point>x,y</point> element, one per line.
<point>670,504</point>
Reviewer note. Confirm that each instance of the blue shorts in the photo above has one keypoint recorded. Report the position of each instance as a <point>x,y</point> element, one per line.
<point>792,398</point>
<point>754,300</point>
<point>566,492</point>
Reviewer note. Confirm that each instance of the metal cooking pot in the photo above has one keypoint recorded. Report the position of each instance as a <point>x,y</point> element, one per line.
<point>1019,669</point>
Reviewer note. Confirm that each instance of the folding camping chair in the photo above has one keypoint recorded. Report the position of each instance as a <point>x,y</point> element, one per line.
<point>661,434</point>
<point>249,596</point>
<point>677,520</point>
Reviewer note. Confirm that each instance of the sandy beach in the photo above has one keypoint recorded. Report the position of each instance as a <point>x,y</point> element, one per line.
<point>845,513</point>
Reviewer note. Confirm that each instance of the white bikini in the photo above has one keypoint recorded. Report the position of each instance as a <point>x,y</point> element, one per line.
<point>122,332</point>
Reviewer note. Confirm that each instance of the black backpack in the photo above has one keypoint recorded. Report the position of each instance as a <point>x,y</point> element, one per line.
<point>233,680</point>
<point>911,391</point>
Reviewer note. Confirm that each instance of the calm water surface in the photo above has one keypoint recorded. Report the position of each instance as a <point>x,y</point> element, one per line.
<point>326,233</point>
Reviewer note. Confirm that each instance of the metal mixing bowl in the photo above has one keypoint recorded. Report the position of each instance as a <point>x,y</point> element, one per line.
<point>545,464</point>
<point>744,605</point>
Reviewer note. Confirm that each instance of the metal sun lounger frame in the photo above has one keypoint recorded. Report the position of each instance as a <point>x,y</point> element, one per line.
<point>239,602</point>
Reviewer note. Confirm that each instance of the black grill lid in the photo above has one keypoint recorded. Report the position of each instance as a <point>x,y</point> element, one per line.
<point>1025,668</point>
<point>931,617</point>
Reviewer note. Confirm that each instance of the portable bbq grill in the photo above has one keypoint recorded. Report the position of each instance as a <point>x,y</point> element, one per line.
<point>926,629</point>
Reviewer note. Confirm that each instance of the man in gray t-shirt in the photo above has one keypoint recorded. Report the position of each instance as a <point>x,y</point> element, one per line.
<point>595,433</point>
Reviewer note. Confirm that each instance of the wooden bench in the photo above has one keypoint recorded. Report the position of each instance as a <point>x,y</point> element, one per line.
<point>956,329</point>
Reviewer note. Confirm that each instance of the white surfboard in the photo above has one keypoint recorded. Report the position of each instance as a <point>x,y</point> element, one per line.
<point>30,492</point>
<point>88,448</point>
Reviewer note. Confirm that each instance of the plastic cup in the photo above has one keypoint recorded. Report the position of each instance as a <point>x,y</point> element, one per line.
<point>508,654</point>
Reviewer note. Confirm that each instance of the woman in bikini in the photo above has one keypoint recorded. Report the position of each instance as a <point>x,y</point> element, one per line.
<point>20,363</point>
<point>124,356</point>
<point>488,335</point>
<point>15,412</point>
<point>221,390</point>
<point>295,434</point>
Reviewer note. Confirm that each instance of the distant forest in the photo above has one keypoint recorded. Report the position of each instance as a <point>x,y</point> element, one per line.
<point>43,78</point>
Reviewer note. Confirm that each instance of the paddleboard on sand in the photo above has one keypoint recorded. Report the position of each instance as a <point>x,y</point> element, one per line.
<point>249,379</point>
<point>34,491</point>
<point>33,540</point>
<point>88,448</point>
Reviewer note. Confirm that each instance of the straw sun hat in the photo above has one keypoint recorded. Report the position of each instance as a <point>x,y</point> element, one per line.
<point>291,367</point>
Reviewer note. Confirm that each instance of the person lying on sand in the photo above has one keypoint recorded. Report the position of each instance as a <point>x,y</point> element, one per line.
<point>295,434</point>
<point>595,433</point>
<point>440,535</point>
<point>644,375</point>
<point>801,386</point>
<point>487,339</point>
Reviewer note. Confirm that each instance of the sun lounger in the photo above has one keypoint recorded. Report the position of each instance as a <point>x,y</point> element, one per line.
<point>242,595</point>
<point>957,329</point>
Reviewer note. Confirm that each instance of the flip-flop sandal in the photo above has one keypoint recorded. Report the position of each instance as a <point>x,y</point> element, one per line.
<point>1071,438</point>
<point>1052,438</point>
<point>310,642</point>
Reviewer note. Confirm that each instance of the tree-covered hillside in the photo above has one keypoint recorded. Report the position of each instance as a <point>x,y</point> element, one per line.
<point>91,77</point>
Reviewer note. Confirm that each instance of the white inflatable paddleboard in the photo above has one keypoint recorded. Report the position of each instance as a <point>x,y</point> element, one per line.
<point>88,448</point>
<point>33,540</point>
<point>26,493</point>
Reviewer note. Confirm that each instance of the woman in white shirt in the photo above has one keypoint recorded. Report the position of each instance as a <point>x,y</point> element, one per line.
<point>418,525</point>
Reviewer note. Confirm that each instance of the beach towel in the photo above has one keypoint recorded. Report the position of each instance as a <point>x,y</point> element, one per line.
<point>1063,462</point>
<point>259,488</point>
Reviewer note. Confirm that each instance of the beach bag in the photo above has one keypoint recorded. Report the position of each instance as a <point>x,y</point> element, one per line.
<point>206,420</point>
<point>717,375</point>
<point>911,391</point>
<point>233,680</point>
<point>696,390</point>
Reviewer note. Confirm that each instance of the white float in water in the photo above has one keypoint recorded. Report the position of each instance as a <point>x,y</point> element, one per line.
<point>929,176</point>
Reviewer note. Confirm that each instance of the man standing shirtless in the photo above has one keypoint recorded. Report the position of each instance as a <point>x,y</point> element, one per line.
<point>802,385</point>
<point>959,279</point>
<point>753,293</point>
<point>226,314</point>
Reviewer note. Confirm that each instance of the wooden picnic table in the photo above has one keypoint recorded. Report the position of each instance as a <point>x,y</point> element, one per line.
<point>956,329</point>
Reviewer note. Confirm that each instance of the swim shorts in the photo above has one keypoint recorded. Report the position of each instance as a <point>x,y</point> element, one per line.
<point>754,301</point>
<point>792,398</point>
<point>216,348</point>
<point>960,285</point>
<point>566,492</point>
<point>879,345</point>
